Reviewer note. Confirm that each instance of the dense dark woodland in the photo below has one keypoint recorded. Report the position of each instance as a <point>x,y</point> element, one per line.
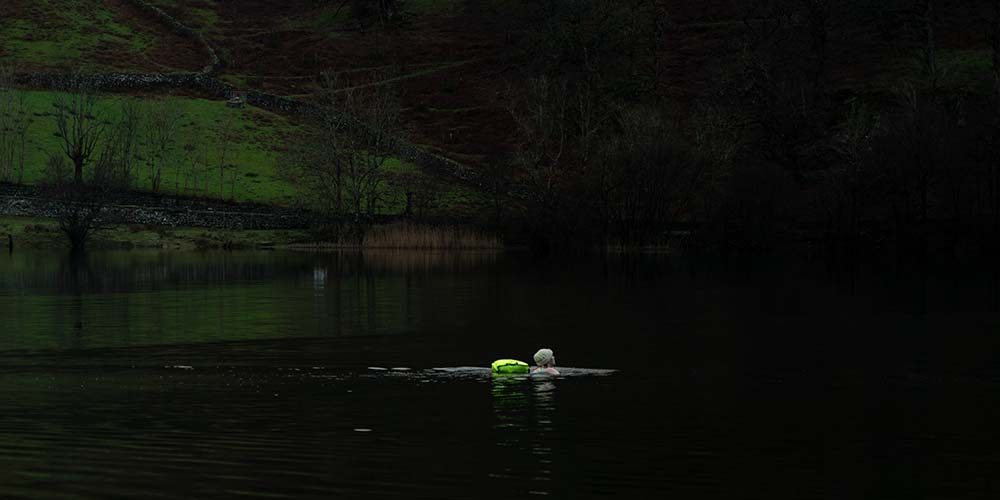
<point>763,124</point>
<point>718,125</point>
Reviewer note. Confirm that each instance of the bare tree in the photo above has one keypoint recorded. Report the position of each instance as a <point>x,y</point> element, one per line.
<point>543,138</point>
<point>377,115</point>
<point>718,136</point>
<point>421,193</point>
<point>15,120</point>
<point>107,163</point>
<point>234,175</point>
<point>853,179</point>
<point>225,137</point>
<point>22,123</point>
<point>340,157</point>
<point>56,171</point>
<point>499,179</point>
<point>82,212</point>
<point>128,127</point>
<point>118,152</point>
<point>162,124</point>
<point>79,124</point>
<point>6,126</point>
<point>924,20</point>
<point>653,179</point>
<point>195,150</point>
<point>916,155</point>
<point>309,163</point>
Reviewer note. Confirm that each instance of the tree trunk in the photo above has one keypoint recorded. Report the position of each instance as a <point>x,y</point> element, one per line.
<point>77,234</point>
<point>20,174</point>
<point>155,180</point>
<point>77,243</point>
<point>77,170</point>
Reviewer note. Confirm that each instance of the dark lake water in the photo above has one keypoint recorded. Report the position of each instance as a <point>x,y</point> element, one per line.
<point>298,375</point>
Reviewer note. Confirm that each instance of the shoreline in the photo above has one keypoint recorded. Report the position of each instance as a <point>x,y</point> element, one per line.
<point>38,233</point>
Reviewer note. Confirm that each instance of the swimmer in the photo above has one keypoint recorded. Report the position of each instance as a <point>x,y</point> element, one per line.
<point>546,363</point>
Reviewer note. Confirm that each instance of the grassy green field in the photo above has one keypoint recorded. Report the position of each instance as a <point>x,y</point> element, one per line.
<point>250,157</point>
<point>250,170</point>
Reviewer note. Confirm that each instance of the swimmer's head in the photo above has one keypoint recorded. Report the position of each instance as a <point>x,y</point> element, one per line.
<point>544,356</point>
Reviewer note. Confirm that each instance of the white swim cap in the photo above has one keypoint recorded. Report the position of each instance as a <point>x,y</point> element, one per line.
<point>543,356</point>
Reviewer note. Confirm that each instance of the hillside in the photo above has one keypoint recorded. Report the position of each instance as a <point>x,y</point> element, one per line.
<point>447,66</point>
<point>451,63</point>
<point>767,81</point>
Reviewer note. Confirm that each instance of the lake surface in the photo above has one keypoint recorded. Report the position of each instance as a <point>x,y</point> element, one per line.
<point>299,375</point>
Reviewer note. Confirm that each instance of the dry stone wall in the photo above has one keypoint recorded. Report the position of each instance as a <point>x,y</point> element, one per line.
<point>126,82</point>
<point>214,64</point>
<point>172,211</point>
<point>131,207</point>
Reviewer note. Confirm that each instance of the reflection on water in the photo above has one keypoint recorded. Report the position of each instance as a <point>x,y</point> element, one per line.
<point>524,410</point>
<point>133,298</point>
<point>219,375</point>
<point>437,261</point>
<point>132,270</point>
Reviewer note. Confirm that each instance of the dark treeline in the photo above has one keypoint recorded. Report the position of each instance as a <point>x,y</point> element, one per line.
<point>781,148</point>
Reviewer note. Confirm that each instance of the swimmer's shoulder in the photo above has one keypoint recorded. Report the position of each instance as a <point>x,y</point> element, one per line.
<point>544,371</point>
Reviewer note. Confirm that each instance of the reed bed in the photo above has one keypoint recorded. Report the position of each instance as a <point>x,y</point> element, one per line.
<point>419,237</point>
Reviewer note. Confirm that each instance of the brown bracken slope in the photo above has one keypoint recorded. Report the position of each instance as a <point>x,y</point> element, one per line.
<point>451,67</point>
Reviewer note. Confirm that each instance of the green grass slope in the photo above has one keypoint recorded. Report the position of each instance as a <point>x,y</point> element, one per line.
<point>249,170</point>
<point>250,158</point>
